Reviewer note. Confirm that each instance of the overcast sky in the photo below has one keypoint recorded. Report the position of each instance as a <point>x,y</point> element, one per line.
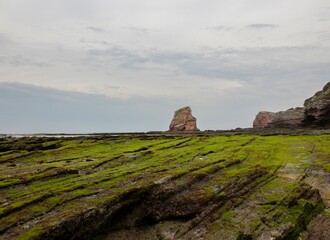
<point>126,65</point>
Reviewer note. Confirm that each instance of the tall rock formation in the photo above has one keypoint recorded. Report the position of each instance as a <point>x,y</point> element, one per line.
<point>317,108</point>
<point>290,118</point>
<point>183,120</point>
<point>315,113</point>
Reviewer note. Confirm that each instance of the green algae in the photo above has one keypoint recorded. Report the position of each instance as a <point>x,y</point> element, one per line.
<point>69,176</point>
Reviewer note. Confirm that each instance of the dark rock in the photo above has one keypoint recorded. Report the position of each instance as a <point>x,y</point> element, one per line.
<point>290,118</point>
<point>183,120</point>
<point>317,109</point>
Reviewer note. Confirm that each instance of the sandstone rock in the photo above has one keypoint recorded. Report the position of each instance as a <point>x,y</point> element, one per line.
<point>290,118</point>
<point>317,109</point>
<point>183,120</point>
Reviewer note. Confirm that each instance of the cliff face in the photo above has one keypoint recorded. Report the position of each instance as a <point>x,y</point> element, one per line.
<point>290,118</point>
<point>317,108</point>
<point>183,120</point>
<point>314,114</point>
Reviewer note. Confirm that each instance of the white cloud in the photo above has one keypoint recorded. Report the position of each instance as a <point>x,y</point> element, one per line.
<point>96,29</point>
<point>261,26</point>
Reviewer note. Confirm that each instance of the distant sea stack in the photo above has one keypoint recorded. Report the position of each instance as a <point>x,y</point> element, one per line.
<point>314,114</point>
<point>183,120</point>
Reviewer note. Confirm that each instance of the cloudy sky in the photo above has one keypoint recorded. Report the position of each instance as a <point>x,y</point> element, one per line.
<point>126,65</point>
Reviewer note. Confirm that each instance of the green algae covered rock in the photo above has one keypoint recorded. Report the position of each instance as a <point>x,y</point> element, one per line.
<point>177,186</point>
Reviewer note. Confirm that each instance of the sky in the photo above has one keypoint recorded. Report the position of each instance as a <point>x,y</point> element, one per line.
<point>80,66</point>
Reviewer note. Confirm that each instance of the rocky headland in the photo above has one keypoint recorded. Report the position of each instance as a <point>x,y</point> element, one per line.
<point>314,114</point>
<point>284,119</point>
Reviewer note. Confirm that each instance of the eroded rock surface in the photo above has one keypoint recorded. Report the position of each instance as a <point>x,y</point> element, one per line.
<point>317,108</point>
<point>183,120</point>
<point>290,118</point>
